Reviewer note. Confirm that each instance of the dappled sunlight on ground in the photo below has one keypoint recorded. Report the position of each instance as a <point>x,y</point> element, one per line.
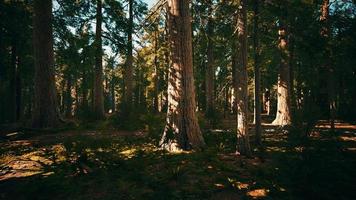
<point>129,165</point>
<point>258,193</point>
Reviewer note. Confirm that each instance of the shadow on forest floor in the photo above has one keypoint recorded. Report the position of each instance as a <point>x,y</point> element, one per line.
<point>128,165</point>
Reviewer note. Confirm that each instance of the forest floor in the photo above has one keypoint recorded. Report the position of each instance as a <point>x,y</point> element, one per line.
<point>89,164</point>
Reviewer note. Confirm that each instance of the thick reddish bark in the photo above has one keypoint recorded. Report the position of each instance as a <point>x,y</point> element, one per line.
<point>243,143</point>
<point>45,111</point>
<point>182,131</point>
<point>256,49</point>
<point>283,116</point>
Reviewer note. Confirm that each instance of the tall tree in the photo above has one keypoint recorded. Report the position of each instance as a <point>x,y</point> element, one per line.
<point>210,72</point>
<point>243,143</point>
<point>182,130</point>
<point>98,98</point>
<point>257,92</point>
<point>325,34</point>
<point>283,116</point>
<point>129,60</point>
<point>45,111</point>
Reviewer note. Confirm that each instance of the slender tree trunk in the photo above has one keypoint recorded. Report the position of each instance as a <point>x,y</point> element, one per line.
<point>98,98</point>
<point>18,91</point>
<point>267,102</point>
<point>129,62</point>
<point>325,33</point>
<point>2,76</point>
<point>256,49</point>
<point>182,130</point>
<point>209,72</point>
<point>13,75</point>
<point>45,112</point>
<point>113,103</point>
<point>243,143</point>
<point>68,99</point>
<point>155,76</point>
<point>84,89</point>
<point>283,116</point>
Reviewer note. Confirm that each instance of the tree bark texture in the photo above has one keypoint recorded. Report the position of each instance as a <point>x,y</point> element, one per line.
<point>243,143</point>
<point>182,131</point>
<point>283,116</point>
<point>45,112</point>
<point>257,91</point>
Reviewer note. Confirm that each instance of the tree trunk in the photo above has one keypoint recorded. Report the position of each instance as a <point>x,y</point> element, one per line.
<point>243,143</point>
<point>256,49</point>
<point>283,116</point>
<point>84,104</point>
<point>68,99</point>
<point>18,89</point>
<point>112,91</point>
<point>129,62</point>
<point>267,102</point>
<point>182,130</point>
<point>325,33</point>
<point>13,75</point>
<point>209,72</point>
<point>45,112</point>
<point>98,98</point>
<point>155,75</point>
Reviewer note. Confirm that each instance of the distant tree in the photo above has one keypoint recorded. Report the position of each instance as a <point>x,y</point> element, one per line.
<point>182,130</point>
<point>327,65</point>
<point>45,112</point>
<point>210,66</point>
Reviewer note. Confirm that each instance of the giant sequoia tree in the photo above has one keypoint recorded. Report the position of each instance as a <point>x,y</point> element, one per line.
<point>257,78</point>
<point>283,116</point>
<point>182,131</point>
<point>45,112</point>
<point>243,143</point>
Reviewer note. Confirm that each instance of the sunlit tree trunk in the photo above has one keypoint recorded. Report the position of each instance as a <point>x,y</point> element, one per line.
<point>325,33</point>
<point>243,143</point>
<point>129,62</point>
<point>266,101</point>
<point>98,96</point>
<point>283,116</point>
<point>182,131</point>
<point>45,112</point>
<point>257,92</point>
<point>209,72</point>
